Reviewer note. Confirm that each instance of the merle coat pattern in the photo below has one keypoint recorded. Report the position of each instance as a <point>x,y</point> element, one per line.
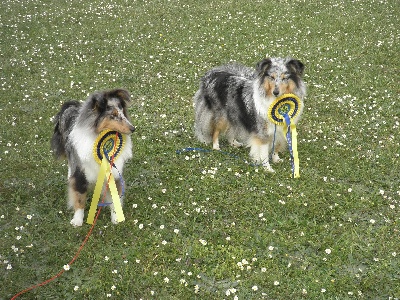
<point>234,99</point>
<point>77,126</point>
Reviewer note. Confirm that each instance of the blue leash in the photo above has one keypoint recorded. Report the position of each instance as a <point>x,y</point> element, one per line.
<point>189,149</point>
<point>273,145</point>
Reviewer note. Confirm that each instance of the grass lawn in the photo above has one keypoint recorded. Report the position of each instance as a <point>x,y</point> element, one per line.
<point>204,225</point>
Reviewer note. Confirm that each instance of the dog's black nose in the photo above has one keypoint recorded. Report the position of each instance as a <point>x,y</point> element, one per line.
<point>132,128</point>
<point>276,93</point>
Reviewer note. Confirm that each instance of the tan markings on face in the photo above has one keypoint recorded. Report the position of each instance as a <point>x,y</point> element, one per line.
<point>115,112</point>
<point>269,86</point>
<point>121,126</point>
<point>290,87</point>
<point>285,86</point>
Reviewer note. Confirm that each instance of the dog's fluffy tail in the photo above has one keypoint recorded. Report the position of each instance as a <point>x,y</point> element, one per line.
<point>63,123</point>
<point>203,118</point>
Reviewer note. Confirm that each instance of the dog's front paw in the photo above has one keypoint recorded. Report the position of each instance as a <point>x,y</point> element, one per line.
<point>268,168</point>
<point>276,158</point>
<point>216,146</point>
<point>76,223</point>
<point>114,218</point>
<point>236,144</point>
<point>77,220</point>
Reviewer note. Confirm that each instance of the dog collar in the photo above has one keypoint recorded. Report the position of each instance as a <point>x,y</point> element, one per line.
<point>108,144</point>
<point>285,105</point>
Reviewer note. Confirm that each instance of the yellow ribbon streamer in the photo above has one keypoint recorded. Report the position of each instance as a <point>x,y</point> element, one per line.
<point>293,148</point>
<point>105,174</point>
<point>296,172</point>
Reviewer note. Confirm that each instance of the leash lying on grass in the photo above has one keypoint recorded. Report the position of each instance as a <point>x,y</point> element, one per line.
<point>109,146</point>
<point>281,112</point>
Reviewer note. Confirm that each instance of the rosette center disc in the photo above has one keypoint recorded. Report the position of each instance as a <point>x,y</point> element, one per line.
<point>108,144</point>
<point>287,104</point>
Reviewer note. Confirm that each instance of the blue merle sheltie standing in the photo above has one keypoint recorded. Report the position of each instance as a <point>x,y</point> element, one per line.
<point>77,126</point>
<point>234,100</point>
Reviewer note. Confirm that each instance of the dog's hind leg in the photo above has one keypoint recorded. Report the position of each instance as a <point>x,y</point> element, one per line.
<point>220,126</point>
<point>215,138</point>
<point>78,186</point>
<point>230,135</point>
<point>235,143</point>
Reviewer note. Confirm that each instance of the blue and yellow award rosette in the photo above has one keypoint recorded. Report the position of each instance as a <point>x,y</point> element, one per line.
<point>284,109</point>
<point>106,149</point>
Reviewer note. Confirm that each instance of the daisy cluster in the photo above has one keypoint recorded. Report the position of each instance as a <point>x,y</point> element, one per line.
<point>20,240</point>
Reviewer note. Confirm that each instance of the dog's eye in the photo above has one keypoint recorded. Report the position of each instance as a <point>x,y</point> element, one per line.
<point>272,77</point>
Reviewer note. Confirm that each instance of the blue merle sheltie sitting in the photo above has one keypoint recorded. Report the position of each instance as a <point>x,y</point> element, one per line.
<point>77,126</point>
<point>234,100</point>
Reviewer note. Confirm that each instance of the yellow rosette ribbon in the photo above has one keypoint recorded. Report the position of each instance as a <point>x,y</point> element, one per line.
<point>106,148</point>
<point>284,109</point>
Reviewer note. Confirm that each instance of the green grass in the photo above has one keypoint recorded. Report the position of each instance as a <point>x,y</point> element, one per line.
<point>204,225</point>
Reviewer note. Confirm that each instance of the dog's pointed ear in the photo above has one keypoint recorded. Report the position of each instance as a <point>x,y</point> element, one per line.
<point>295,66</point>
<point>121,94</point>
<point>96,100</point>
<point>263,65</point>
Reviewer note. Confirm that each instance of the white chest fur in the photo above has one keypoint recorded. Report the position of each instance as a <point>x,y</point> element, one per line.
<point>83,143</point>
